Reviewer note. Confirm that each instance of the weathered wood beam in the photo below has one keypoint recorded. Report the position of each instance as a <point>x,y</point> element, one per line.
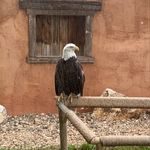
<point>60,5</point>
<point>78,124</point>
<point>125,140</point>
<point>111,102</point>
<point>60,12</point>
<point>54,59</point>
<point>32,35</point>
<point>88,36</point>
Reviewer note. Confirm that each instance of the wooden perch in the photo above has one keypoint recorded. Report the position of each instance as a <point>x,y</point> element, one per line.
<point>129,102</point>
<point>78,124</point>
<point>125,140</point>
<point>111,102</point>
<point>63,130</point>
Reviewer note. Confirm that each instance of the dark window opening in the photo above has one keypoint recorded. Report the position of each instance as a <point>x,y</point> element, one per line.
<point>53,32</point>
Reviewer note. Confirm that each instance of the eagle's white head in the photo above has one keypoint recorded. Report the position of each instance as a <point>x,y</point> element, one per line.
<point>69,51</point>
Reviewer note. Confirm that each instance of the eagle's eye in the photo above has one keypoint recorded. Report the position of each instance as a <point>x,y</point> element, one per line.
<point>71,47</point>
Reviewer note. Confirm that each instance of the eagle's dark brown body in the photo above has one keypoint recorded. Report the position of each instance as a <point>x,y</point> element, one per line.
<point>69,77</point>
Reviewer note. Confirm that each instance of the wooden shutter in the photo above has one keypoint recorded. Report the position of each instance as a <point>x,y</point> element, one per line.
<point>53,32</point>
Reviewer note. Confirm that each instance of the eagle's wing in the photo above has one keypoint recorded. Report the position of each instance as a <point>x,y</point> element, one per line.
<point>59,78</point>
<point>81,77</point>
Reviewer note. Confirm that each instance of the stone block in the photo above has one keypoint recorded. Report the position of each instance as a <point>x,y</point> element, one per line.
<point>3,113</point>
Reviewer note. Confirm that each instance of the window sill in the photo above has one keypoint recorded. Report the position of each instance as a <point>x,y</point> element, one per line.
<point>54,60</point>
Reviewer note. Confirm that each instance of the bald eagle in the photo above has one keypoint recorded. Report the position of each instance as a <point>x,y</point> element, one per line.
<point>69,75</point>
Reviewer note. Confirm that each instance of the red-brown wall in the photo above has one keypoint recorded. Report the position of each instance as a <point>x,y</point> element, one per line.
<point>121,48</point>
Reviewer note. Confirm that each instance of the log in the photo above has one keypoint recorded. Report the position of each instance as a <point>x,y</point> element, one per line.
<point>78,124</point>
<point>111,102</point>
<point>103,140</point>
<point>125,140</point>
<point>63,130</point>
<point>100,142</point>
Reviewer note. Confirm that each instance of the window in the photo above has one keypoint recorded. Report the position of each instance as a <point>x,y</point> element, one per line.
<point>55,31</point>
<point>52,24</point>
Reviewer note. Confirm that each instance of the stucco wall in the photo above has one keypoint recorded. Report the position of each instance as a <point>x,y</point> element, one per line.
<point>121,48</point>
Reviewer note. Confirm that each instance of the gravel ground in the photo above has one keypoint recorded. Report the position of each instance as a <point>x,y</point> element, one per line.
<point>42,130</point>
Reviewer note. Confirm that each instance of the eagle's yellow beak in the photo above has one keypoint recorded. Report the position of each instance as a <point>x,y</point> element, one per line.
<point>77,48</point>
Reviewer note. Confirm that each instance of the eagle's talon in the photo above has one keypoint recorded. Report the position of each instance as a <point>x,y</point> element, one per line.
<point>69,99</point>
<point>61,98</point>
<point>71,96</point>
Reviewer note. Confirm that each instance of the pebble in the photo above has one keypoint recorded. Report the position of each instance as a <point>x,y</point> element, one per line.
<point>42,130</point>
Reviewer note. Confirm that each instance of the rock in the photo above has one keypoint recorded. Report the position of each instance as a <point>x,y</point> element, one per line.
<point>98,112</point>
<point>3,113</point>
<point>116,112</point>
<point>111,93</point>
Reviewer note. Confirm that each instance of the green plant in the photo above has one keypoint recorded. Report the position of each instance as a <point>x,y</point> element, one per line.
<point>72,147</point>
<point>87,147</point>
<point>82,147</point>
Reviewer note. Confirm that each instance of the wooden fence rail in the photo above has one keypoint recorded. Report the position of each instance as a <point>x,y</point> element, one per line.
<point>111,102</point>
<point>66,113</point>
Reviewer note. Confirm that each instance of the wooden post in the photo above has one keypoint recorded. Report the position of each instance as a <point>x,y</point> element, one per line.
<point>78,124</point>
<point>63,130</point>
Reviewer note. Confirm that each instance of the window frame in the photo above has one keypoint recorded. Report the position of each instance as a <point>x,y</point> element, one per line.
<point>47,7</point>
